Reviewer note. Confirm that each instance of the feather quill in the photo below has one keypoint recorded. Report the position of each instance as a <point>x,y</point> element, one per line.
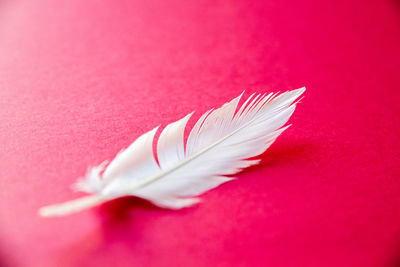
<point>220,143</point>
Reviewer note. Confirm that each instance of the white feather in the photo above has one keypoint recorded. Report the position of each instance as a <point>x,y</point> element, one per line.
<point>220,144</point>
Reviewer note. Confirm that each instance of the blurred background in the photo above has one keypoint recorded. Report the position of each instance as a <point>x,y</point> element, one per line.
<point>79,80</point>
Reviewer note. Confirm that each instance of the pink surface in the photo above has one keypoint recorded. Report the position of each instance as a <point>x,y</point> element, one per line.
<point>79,80</point>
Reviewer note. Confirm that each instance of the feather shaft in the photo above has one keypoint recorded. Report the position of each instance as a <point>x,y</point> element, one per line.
<point>72,206</point>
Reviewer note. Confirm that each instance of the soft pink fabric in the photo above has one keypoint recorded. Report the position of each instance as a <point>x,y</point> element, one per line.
<point>79,80</point>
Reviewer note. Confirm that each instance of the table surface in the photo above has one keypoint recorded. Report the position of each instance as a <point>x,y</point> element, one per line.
<point>79,80</point>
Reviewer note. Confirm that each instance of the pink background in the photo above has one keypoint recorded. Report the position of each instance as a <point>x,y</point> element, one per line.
<point>79,80</point>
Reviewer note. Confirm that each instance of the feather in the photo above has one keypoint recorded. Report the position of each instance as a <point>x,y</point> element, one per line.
<point>220,144</point>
